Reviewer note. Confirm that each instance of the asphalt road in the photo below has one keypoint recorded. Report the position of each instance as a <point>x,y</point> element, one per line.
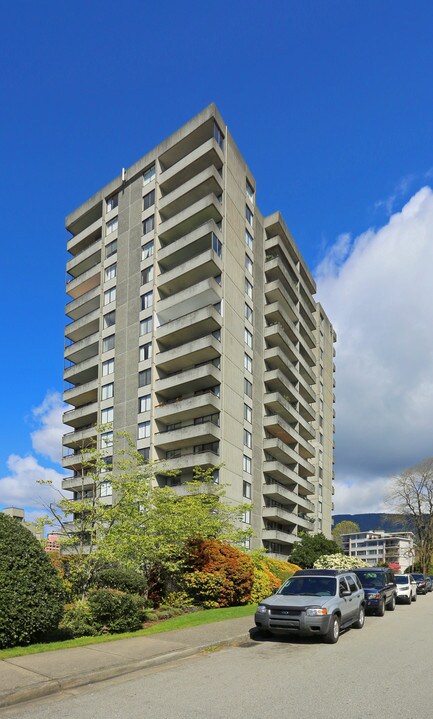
<point>384,670</point>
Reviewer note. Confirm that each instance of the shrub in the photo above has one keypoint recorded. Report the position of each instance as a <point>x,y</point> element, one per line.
<point>269,574</point>
<point>115,611</point>
<point>338,561</point>
<point>118,577</point>
<point>77,620</point>
<point>178,599</point>
<point>31,595</point>
<point>232,568</point>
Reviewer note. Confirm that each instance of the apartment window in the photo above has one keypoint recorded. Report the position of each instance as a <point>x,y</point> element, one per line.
<point>248,362</point>
<point>112,225</point>
<point>145,352</point>
<point>145,326</point>
<point>147,275</point>
<point>247,516</point>
<point>248,388</point>
<point>246,464</point>
<point>248,288</point>
<point>248,215</point>
<point>249,239</point>
<point>209,447</point>
<point>143,430</point>
<point>149,224</point>
<point>106,489</point>
<point>217,335</point>
<point>112,202</point>
<point>106,415</point>
<point>250,192</point>
<point>248,413</point>
<point>248,439</point>
<point>219,137</point>
<point>149,200</point>
<point>144,453</point>
<point>108,343</point>
<point>248,312</point>
<point>109,319</point>
<point>144,377</point>
<point>107,367</point>
<point>144,403</point>
<point>246,492</point>
<point>110,272</point>
<point>147,250</point>
<point>147,300</point>
<point>111,249</point>
<point>149,175</point>
<point>109,296</point>
<point>249,264</point>
<point>107,390</point>
<point>106,439</point>
<point>107,464</point>
<point>216,245</point>
<point>248,338</point>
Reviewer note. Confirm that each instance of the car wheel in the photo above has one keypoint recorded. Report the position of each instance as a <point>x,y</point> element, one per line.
<point>381,608</point>
<point>409,600</point>
<point>361,618</point>
<point>331,636</point>
<point>391,604</point>
<point>414,598</point>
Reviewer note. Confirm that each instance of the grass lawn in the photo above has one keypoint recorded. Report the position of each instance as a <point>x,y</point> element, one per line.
<point>192,619</point>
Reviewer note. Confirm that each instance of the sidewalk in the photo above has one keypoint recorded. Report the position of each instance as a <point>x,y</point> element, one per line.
<point>37,675</point>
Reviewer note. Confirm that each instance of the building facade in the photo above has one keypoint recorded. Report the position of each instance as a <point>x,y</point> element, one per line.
<point>377,547</point>
<point>193,327</point>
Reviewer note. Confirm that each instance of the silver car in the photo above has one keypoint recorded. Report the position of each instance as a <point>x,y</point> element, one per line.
<point>314,601</point>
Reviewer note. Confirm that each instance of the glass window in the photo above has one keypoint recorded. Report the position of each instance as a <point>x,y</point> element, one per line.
<point>106,439</point>
<point>248,312</point>
<point>249,239</point>
<point>248,215</point>
<point>248,338</point>
<point>144,453</point>
<point>248,439</point>
<point>247,516</point>
<point>248,413</point>
<point>145,326</point>
<point>108,343</point>
<point>145,351</point>
<point>144,403</point>
<point>248,362</point>
<point>149,175</point>
<point>143,430</point>
<point>110,272</point>
<point>248,288</point>
<point>106,415</point>
<point>147,250</point>
<point>112,225</point>
<point>249,264</point>
<point>246,464</point>
<point>112,202</point>
<point>147,300</point>
<point>106,489</point>
<point>248,388</point>
<point>109,295</point>
<point>149,200</point>
<point>147,275</point>
<point>149,224</point>
<point>216,245</point>
<point>246,490</point>
<point>107,390</point>
<point>144,377</point>
<point>219,137</point>
<point>109,319</point>
<point>250,192</point>
<point>111,248</point>
<point>107,367</point>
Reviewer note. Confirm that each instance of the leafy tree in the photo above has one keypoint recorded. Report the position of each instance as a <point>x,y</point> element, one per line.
<point>410,495</point>
<point>310,548</point>
<point>344,527</point>
<point>31,598</point>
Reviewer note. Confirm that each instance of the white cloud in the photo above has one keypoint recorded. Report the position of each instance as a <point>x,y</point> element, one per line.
<point>47,440</point>
<point>380,301</point>
<point>20,489</point>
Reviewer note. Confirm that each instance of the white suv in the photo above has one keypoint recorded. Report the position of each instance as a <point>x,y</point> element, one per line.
<point>406,588</point>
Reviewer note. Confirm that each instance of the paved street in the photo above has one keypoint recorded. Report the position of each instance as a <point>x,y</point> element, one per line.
<point>382,670</point>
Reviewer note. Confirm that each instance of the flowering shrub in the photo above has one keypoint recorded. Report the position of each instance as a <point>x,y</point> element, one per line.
<point>269,574</point>
<point>338,561</point>
<point>205,588</point>
<point>232,569</point>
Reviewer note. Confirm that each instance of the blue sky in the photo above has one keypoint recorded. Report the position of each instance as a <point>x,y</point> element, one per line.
<point>330,104</point>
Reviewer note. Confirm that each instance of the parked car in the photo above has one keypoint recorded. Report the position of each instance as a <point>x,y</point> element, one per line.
<point>406,588</point>
<point>379,587</point>
<point>429,583</point>
<point>318,602</point>
<point>421,583</point>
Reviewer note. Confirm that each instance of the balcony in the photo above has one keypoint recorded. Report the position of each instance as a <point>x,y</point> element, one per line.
<point>188,381</point>
<point>189,327</point>
<point>82,416</point>
<point>201,350</point>
<point>275,293</point>
<point>206,155</point>
<point>278,247</point>
<point>86,236</point>
<point>283,516</point>
<point>80,438</point>
<point>84,305</point>
<point>179,151</point>
<point>288,476</point>
<point>83,327</point>
<point>277,403</point>
<point>286,455</point>
<point>275,271</point>
<point>189,460</point>
<point>207,292</point>
<point>208,208</point>
<point>84,283</point>
<point>187,436</point>
<point>85,260</point>
<point>187,247</point>
<point>289,435</point>
<point>76,484</point>
<point>82,372</point>
<point>82,394</point>
<point>185,410</point>
<point>207,182</point>
<point>194,270</point>
<point>84,349</point>
<point>275,358</point>
<point>279,493</point>
<point>274,535</point>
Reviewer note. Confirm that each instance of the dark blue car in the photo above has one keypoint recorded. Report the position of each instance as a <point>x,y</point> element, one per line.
<point>380,589</point>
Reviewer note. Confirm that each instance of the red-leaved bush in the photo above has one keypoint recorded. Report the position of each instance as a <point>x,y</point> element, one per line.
<point>233,568</point>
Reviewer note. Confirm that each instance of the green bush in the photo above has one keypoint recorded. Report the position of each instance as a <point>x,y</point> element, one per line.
<point>31,594</point>
<point>118,577</point>
<point>77,620</point>
<point>115,611</point>
<point>205,588</point>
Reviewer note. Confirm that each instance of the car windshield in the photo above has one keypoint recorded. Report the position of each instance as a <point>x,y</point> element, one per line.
<point>310,586</point>
<point>419,577</point>
<point>372,579</point>
<point>400,579</point>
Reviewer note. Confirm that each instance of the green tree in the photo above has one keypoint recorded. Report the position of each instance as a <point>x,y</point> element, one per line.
<point>310,548</point>
<point>344,527</point>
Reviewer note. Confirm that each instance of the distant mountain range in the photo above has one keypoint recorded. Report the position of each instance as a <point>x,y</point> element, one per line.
<point>366,522</point>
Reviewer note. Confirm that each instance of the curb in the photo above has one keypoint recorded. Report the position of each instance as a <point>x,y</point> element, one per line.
<point>53,686</point>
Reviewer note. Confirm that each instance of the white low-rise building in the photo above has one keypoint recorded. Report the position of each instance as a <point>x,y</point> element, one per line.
<point>377,546</point>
